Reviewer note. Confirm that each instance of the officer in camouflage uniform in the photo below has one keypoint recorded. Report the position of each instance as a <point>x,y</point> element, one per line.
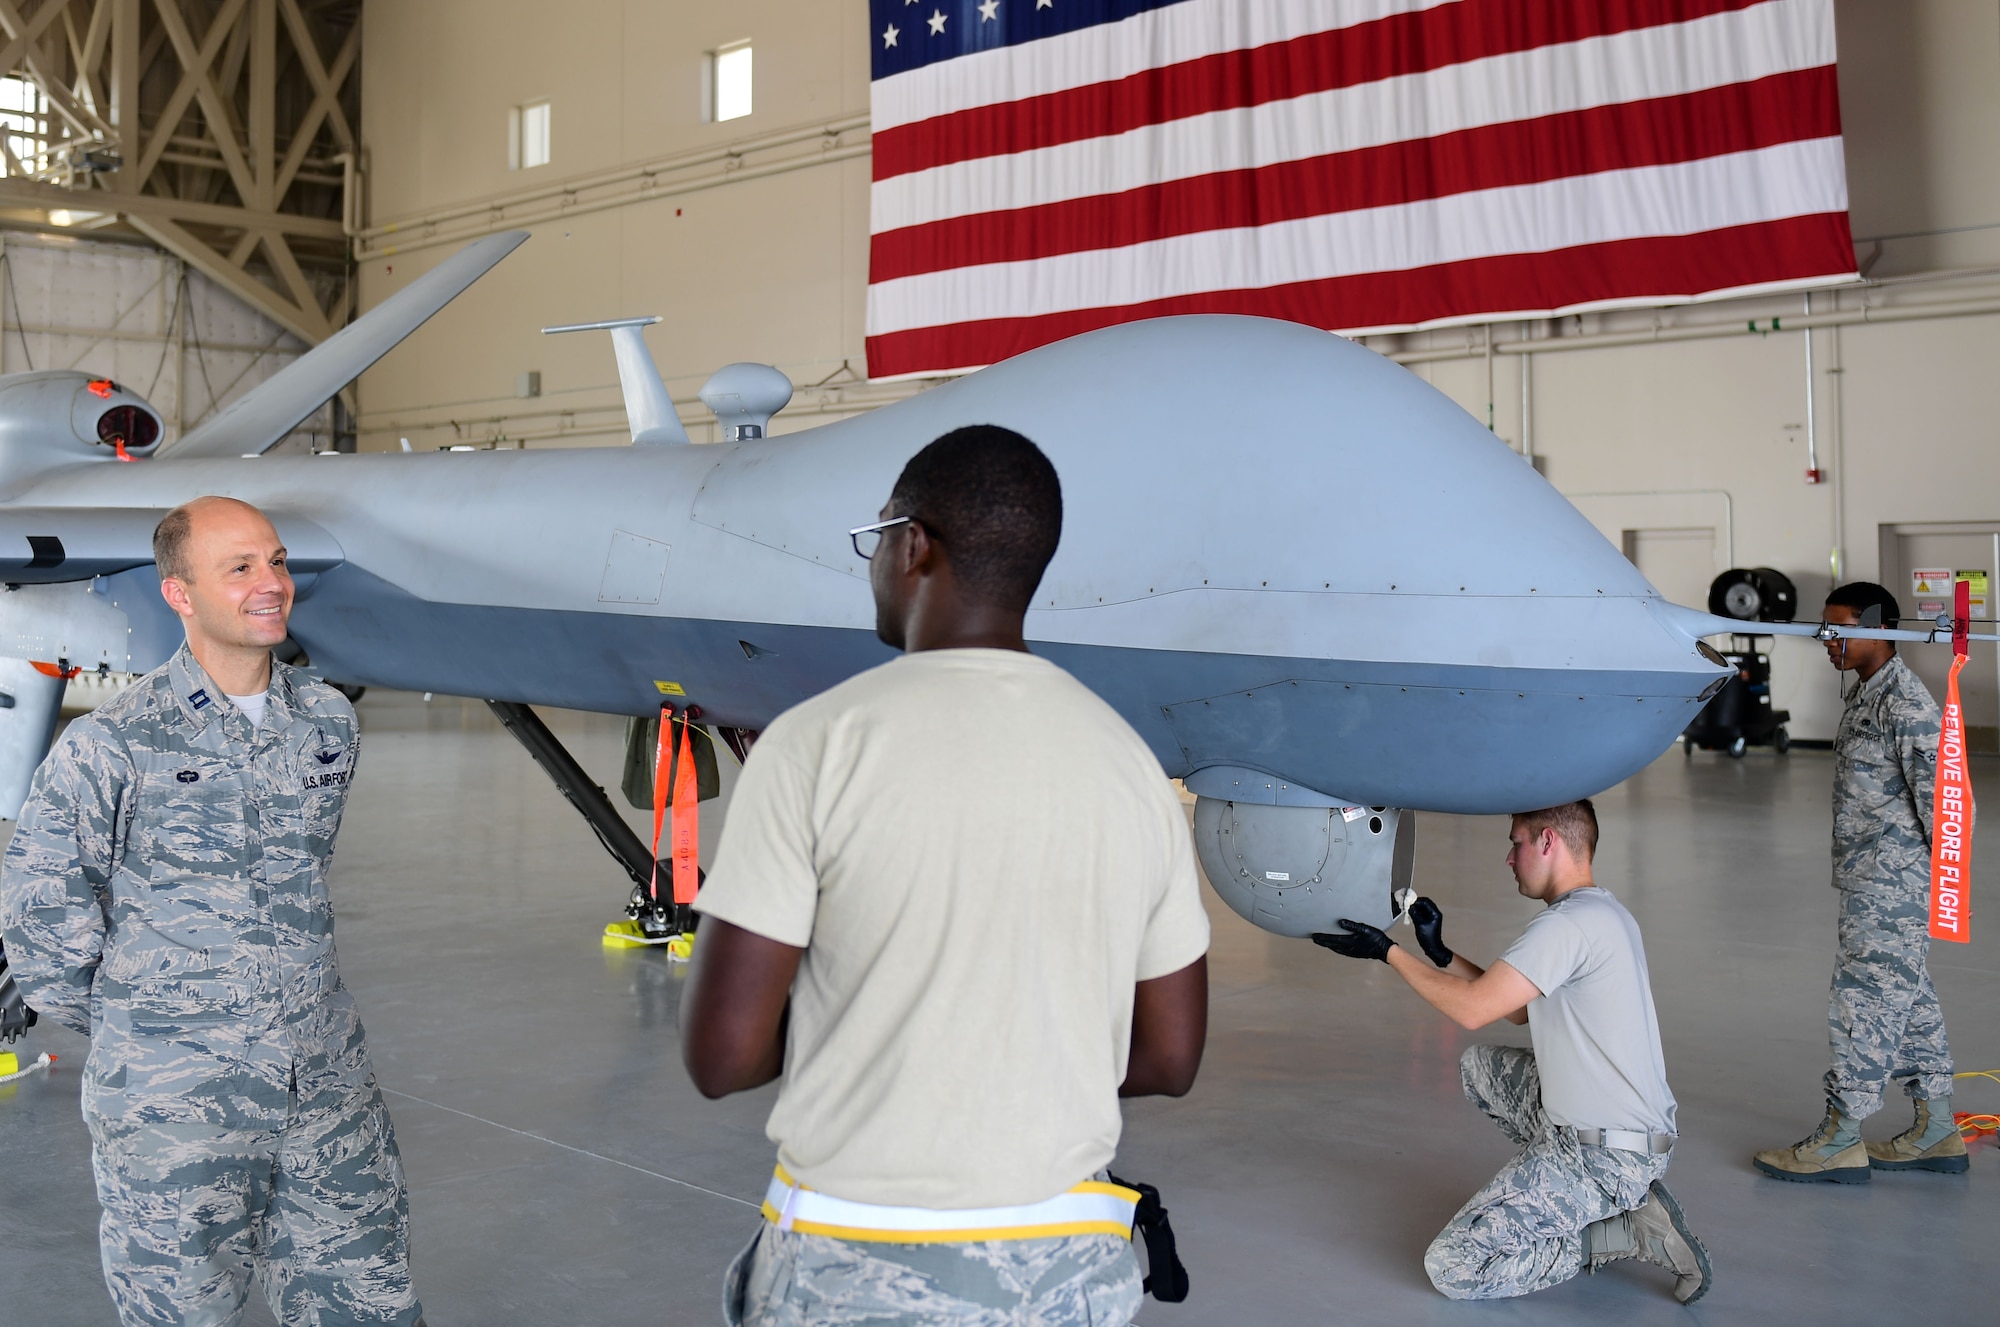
<point>165,893</point>
<point>1883,1017</point>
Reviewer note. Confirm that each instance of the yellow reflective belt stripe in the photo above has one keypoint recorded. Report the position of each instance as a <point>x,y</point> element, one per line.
<point>1090,1208</point>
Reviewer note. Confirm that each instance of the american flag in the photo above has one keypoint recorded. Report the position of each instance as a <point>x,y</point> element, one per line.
<point>1045,167</point>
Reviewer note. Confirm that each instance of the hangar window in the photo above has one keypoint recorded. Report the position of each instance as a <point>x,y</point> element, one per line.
<point>23,120</point>
<point>528,136</point>
<point>726,83</point>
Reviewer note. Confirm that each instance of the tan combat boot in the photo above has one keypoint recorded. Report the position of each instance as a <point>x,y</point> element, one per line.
<point>1656,1232</point>
<point>1833,1154</point>
<point>1933,1142</point>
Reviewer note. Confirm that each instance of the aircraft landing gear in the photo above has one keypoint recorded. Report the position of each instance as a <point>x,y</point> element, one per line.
<point>658,919</point>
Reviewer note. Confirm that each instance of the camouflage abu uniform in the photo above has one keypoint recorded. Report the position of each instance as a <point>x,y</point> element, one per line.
<point>165,893</point>
<point>1524,1231</point>
<point>1883,1017</point>
<point>787,1278</point>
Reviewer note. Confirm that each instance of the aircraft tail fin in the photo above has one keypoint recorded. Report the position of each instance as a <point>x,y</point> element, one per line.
<point>261,418</point>
<point>650,410</point>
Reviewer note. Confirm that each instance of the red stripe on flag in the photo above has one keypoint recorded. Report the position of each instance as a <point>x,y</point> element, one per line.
<point>1401,44</point>
<point>1654,269</point>
<point>1740,117</point>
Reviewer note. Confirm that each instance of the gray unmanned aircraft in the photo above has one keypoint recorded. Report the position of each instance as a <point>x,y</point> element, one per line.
<point>1324,595</point>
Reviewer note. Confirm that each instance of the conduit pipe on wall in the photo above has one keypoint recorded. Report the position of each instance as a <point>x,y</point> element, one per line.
<point>1528,409</point>
<point>1813,473</point>
<point>1714,331</point>
<point>1837,559</point>
<point>1490,422</point>
<point>350,193</point>
<point>618,188</point>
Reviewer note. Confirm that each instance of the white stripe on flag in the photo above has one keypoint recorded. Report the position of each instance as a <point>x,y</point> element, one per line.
<point>1168,35</point>
<point>1791,179</point>
<point>1721,49</point>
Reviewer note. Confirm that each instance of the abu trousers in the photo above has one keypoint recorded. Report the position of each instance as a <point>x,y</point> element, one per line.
<point>1523,1232</point>
<point>223,1157</point>
<point>784,1278</point>
<point>1883,1017</point>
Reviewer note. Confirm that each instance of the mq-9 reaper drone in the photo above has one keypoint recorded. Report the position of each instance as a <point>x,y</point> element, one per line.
<point>1322,593</point>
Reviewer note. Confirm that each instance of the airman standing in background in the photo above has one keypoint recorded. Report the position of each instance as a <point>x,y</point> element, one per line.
<point>1883,1019</point>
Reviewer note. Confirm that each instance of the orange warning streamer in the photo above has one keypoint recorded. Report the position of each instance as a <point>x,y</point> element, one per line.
<point>673,767</point>
<point>663,769</point>
<point>687,815</point>
<point>1951,805</point>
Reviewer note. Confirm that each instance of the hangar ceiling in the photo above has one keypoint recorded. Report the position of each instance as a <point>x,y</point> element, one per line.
<point>222,130</point>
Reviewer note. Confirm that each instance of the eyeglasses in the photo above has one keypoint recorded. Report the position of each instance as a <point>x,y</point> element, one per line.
<point>867,539</point>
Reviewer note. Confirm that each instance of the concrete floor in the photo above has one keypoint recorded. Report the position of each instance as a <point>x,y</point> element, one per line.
<point>563,1170</point>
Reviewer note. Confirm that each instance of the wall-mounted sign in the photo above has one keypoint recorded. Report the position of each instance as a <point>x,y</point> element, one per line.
<point>1934,581</point>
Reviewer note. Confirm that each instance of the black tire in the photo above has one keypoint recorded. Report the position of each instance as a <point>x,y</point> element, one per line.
<point>1782,739</point>
<point>1687,747</point>
<point>1753,594</point>
<point>1738,747</point>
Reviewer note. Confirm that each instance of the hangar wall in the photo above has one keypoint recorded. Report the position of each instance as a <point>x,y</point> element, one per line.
<point>750,248</point>
<point>750,236</point>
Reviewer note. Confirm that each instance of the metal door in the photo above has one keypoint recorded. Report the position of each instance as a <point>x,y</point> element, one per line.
<point>1680,562</point>
<point>1919,564</point>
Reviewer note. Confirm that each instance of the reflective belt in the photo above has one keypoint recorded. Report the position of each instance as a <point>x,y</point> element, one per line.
<point>1091,1208</point>
<point>1627,1140</point>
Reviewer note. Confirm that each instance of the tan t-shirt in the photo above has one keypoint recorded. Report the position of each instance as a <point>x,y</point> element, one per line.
<point>980,859</point>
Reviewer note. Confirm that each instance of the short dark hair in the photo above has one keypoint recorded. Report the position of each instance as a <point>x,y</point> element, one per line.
<point>1864,595</point>
<point>1575,823</point>
<point>993,500</point>
<point>170,541</point>
<point>176,528</point>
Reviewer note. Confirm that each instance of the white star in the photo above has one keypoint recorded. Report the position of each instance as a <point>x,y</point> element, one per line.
<point>889,37</point>
<point>936,20</point>
<point>1045,4</point>
<point>989,10</point>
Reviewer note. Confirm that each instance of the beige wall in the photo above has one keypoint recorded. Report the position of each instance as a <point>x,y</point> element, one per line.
<point>1920,114</point>
<point>770,269</point>
<point>775,269</point>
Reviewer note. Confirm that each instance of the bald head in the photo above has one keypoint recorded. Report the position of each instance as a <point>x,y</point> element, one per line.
<point>174,535</point>
<point>223,570</point>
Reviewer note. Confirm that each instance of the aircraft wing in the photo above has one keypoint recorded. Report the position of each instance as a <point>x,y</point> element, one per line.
<point>258,420</point>
<point>47,545</point>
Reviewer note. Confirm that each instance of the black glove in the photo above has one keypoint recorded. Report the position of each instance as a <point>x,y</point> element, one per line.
<point>1428,918</point>
<point>1356,940</point>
